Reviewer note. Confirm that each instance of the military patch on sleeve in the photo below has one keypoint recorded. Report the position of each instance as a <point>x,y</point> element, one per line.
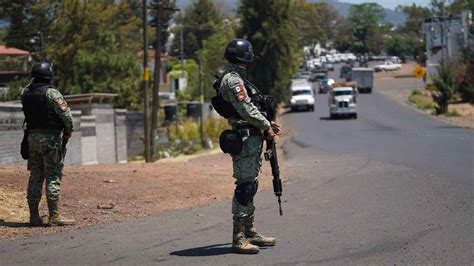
<point>61,103</point>
<point>239,92</point>
<point>237,88</point>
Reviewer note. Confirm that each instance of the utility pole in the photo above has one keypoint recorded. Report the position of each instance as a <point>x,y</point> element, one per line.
<point>201,105</point>
<point>156,82</point>
<point>146,116</point>
<point>182,52</point>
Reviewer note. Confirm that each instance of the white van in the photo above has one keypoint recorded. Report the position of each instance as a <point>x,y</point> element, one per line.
<point>302,95</point>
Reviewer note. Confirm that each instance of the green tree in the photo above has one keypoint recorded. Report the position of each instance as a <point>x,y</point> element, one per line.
<point>211,56</point>
<point>366,19</point>
<point>92,43</point>
<point>415,15</point>
<point>269,26</point>
<point>330,20</point>
<point>457,6</point>
<point>198,22</point>
<point>396,45</point>
<point>26,19</point>
<point>105,70</point>
<point>343,39</point>
<point>308,24</point>
<point>410,33</point>
<point>82,27</point>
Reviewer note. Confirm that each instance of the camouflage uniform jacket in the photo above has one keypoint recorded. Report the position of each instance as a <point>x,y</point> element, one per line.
<point>233,90</point>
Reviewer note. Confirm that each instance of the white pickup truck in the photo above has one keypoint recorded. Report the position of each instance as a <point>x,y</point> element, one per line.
<point>387,66</point>
<point>302,95</point>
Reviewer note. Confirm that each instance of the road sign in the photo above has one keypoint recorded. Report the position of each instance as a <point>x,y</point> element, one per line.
<point>419,71</point>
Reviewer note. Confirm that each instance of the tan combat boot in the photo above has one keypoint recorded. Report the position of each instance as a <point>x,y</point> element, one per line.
<point>254,237</point>
<point>55,219</point>
<point>239,243</point>
<point>35,219</point>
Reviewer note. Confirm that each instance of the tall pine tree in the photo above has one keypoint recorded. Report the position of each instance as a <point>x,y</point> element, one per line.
<point>269,26</point>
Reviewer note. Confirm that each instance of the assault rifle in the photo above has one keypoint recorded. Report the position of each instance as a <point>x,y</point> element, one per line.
<point>63,145</point>
<point>271,155</point>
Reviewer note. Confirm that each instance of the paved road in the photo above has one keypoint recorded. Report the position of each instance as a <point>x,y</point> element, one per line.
<point>392,187</point>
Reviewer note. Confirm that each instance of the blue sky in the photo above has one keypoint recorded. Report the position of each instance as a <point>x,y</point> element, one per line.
<point>392,4</point>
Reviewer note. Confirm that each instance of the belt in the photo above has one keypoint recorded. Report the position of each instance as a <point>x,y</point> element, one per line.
<point>251,131</point>
<point>47,131</point>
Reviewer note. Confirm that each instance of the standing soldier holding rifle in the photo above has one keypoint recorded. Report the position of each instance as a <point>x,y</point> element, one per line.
<point>47,115</point>
<point>244,107</point>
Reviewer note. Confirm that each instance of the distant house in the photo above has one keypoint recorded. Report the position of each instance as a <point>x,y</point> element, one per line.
<point>13,64</point>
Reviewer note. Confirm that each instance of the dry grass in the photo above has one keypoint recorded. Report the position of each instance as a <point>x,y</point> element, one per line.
<point>421,101</point>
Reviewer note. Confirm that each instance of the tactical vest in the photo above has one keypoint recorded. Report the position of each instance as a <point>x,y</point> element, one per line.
<point>264,103</point>
<point>38,113</point>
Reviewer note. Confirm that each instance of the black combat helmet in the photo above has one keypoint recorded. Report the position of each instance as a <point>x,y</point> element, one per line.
<point>239,51</point>
<point>42,72</point>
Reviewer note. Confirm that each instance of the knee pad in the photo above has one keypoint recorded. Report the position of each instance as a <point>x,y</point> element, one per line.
<point>245,192</point>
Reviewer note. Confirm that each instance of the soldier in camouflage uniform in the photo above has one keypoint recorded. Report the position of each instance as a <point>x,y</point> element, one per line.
<point>47,116</point>
<point>254,127</point>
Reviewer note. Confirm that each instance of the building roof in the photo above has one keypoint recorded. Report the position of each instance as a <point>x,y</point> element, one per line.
<point>12,51</point>
<point>91,98</point>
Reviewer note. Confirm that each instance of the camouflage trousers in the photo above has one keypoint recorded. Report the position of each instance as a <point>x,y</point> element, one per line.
<point>246,167</point>
<point>45,163</point>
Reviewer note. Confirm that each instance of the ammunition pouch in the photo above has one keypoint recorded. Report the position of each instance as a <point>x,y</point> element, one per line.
<point>230,141</point>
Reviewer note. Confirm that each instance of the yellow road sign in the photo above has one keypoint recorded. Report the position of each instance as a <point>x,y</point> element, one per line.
<point>146,74</point>
<point>419,71</point>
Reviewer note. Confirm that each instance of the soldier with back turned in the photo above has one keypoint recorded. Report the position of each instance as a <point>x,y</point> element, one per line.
<point>49,124</point>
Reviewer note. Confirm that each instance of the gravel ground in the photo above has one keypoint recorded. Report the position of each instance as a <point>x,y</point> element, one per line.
<point>99,194</point>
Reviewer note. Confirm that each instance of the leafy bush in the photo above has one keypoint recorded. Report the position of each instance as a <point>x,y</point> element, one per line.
<point>444,84</point>
<point>214,126</point>
<point>464,82</point>
<point>186,138</point>
<point>188,130</point>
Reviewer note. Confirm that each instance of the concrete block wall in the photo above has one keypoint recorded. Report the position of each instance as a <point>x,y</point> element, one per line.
<point>120,136</point>
<point>135,133</point>
<point>11,133</point>
<point>105,133</point>
<point>99,136</point>
<point>88,140</point>
<point>73,154</point>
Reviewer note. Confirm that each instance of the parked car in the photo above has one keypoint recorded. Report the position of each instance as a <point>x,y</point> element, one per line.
<point>329,66</point>
<point>304,75</point>
<point>387,66</point>
<point>316,76</point>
